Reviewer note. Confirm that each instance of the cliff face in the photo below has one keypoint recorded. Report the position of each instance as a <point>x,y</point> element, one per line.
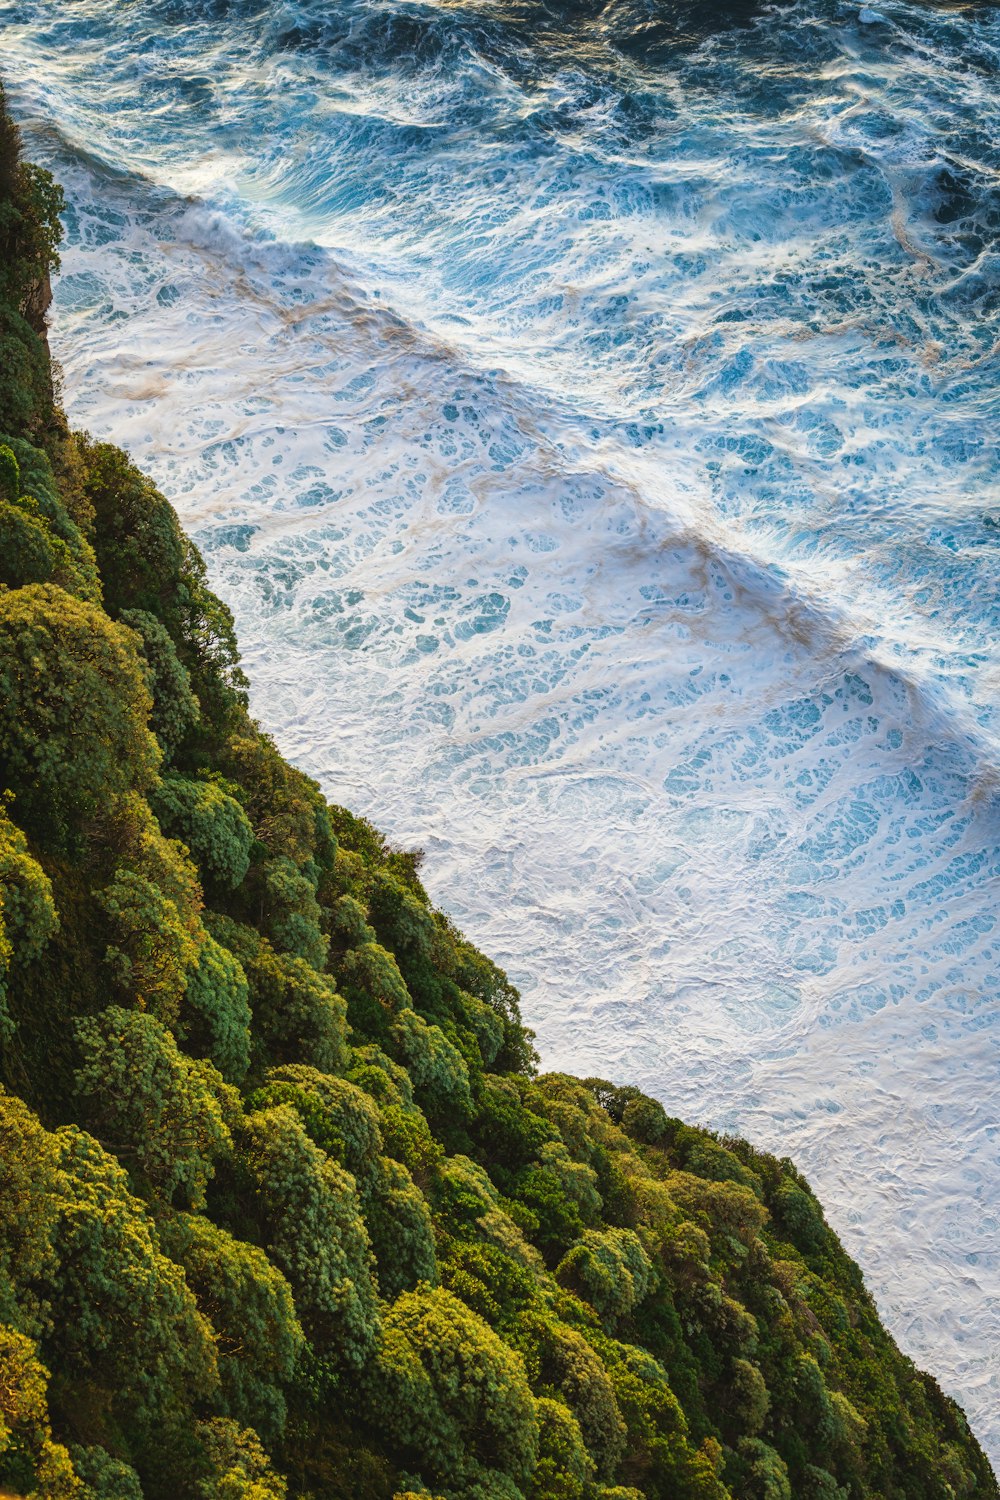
<point>284,1206</point>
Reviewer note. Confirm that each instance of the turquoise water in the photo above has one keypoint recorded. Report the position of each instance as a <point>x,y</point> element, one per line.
<point>591,415</point>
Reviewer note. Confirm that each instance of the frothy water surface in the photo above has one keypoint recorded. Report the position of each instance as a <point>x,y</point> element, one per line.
<point>590,414</point>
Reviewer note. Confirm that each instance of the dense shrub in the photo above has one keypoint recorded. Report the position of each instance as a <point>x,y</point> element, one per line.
<point>610,1270</point>
<point>175,708</point>
<point>451,1395</point>
<point>28,1456</point>
<point>73,711</point>
<point>212,824</point>
<point>151,1104</point>
<point>28,916</point>
<point>312,1227</point>
<point>216,1010</point>
<point>297,1013</point>
<point>238,1466</point>
<point>122,1313</point>
<point>250,1305</point>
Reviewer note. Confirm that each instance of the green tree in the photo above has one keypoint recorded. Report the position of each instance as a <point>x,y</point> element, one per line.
<point>311,1225</point>
<point>292,914</point>
<point>29,1458</point>
<point>123,1318</point>
<point>73,711</point>
<point>298,1015</point>
<point>341,1118</point>
<point>610,1270</point>
<point>147,563</point>
<point>239,1468</point>
<point>28,917</point>
<point>104,1477</point>
<point>152,1105</point>
<point>565,1468</point>
<point>250,1306</point>
<point>561,1364</point>
<point>29,1165</point>
<point>450,1395</point>
<point>175,710</point>
<point>435,1065</point>
<point>216,1010</point>
<point>400,1228</point>
<point>212,824</point>
<point>154,943</point>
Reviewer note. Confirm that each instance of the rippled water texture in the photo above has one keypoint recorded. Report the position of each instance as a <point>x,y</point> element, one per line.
<point>591,416</point>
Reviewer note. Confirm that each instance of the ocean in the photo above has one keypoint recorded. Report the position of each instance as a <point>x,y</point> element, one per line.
<point>591,416</point>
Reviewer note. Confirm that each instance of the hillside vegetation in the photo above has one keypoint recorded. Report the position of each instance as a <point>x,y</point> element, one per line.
<point>285,1208</point>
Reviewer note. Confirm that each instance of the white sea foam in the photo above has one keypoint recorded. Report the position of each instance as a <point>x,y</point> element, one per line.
<point>601,466</point>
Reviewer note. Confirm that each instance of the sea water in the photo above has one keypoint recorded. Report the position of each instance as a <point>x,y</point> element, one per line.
<point>591,416</point>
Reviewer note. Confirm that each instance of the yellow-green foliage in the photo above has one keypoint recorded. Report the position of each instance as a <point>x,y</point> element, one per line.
<point>436,1067</point>
<point>284,1207</point>
<point>175,708</point>
<point>123,1316</point>
<point>38,541</point>
<point>155,1107</point>
<point>252,1310</point>
<point>452,1394</point>
<point>400,1228</point>
<point>28,916</point>
<point>311,1224</point>
<point>28,1456</point>
<point>341,1118</point>
<point>73,711</point>
<point>610,1270</point>
<point>238,1466</point>
<point>565,1468</point>
<point>153,944</point>
<point>212,824</point>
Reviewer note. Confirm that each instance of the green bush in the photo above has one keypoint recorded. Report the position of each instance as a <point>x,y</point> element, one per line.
<point>400,1228</point>
<point>610,1270</point>
<point>450,1395</point>
<point>252,1311</point>
<point>561,1364</point>
<point>436,1067</point>
<point>152,1105</point>
<point>216,1010</point>
<point>311,1225</point>
<point>238,1466</point>
<point>28,1456</point>
<point>73,711</point>
<point>28,918</point>
<point>565,1468</point>
<point>341,1118</point>
<point>212,825</point>
<point>175,712</point>
<point>104,1477</point>
<point>29,1183</point>
<point>122,1313</point>
<point>298,1015</point>
<point>154,943</point>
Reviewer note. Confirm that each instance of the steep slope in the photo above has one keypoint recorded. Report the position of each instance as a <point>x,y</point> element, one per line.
<point>284,1206</point>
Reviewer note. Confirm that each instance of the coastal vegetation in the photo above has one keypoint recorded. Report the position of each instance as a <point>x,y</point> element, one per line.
<point>286,1207</point>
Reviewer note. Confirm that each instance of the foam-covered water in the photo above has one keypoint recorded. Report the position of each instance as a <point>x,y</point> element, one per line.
<point>591,416</point>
